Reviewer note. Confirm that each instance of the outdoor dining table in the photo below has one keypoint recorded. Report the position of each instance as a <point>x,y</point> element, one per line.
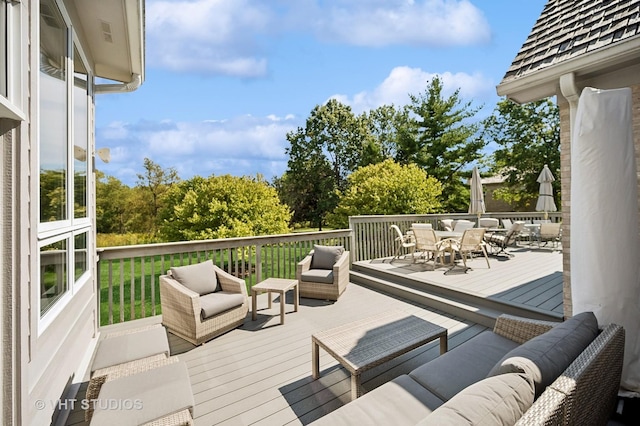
<point>449,234</point>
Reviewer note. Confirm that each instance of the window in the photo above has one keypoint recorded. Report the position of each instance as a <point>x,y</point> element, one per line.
<point>53,274</point>
<point>53,113</point>
<point>64,148</point>
<point>80,136</point>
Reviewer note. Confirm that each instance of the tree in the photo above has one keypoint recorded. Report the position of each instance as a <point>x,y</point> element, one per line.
<point>333,143</point>
<point>112,202</point>
<point>155,181</point>
<point>386,124</point>
<point>222,207</point>
<point>440,139</point>
<point>387,188</point>
<point>528,137</point>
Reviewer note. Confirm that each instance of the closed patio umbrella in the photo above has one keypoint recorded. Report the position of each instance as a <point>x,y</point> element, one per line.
<point>545,197</point>
<point>476,205</point>
<point>605,242</point>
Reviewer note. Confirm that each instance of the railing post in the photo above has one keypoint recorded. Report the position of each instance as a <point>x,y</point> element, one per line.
<point>258,263</point>
<point>355,249</point>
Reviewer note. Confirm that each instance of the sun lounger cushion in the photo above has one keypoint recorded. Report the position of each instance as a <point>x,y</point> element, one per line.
<point>546,356</point>
<point>219,302</point>
<point>324,257</point>
<point>381,407</point>
<point>318,276</point>
<point>498,400</point>
<point>130,347</point>
<point>144,397</point>
<point>200,277</point>
<point>462,366</point>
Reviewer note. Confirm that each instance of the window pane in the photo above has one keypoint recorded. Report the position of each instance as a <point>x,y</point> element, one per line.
<point>80,137</point>
<point>53,274</point>
<point>80,242</point>
<point>53,113</point>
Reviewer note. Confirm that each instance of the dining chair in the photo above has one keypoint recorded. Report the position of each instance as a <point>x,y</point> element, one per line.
<point>472,241</point>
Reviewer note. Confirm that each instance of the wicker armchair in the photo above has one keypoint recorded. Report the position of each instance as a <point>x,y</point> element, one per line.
<point>322,282</point>
<point>182,308</point>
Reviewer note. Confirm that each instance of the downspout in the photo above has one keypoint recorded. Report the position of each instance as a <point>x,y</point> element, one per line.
<point>135,82</point>
<point>569,90</point>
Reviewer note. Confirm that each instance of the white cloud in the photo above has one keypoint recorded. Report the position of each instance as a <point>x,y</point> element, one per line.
<point>402,81</point>
<point>231,37</point>
<point>384,23</point>
<point>211,36</point>
<point>243,145</point>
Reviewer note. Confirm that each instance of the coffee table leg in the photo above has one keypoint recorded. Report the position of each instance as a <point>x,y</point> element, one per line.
<point>296,297</point>
<point>270,301</point>
<point>254,314</point>
<point>444,343</point>
<point>355,387</point>
<point>282,300</point>
<point>315,359</point>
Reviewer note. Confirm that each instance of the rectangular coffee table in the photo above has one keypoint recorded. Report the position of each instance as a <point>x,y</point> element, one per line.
<point>361,345</point>
<point>275,285</point>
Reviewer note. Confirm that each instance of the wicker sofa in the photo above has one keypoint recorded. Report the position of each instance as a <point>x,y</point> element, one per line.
<point>524,372</point>
<point>199,311</point>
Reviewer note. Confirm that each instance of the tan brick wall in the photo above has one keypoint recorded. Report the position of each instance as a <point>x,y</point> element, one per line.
<point>565,173</point>
<point>565,188</point>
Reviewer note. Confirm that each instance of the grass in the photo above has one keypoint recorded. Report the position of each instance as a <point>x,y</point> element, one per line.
<point>279,261</point>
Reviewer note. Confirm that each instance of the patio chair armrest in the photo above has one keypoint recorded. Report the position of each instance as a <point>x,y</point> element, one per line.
<point>230,283</point>
<point>175,296</point>
<point>521,329</point>
<point>304,265</point>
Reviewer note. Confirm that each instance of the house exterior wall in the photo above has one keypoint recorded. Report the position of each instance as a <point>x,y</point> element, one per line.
<point>38,363</point>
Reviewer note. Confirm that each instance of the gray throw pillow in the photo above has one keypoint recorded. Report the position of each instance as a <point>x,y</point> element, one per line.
<point>499,400</point>
<point>200,277</point>
<point>324,257</point>
<point>546,356</point>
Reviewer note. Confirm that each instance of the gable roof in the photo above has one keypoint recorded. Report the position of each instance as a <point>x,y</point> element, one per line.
<point>581,36</point>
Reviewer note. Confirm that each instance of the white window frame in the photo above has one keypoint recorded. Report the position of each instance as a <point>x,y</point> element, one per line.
<point>11,106</point>
<point>69,228</point>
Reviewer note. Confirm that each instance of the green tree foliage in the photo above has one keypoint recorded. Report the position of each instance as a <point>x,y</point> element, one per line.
<point>221,207</point>
<point>387,188</point>
<point>152,184</point>
<point>386,124</point>
<point>333,143</point>
<point>112,205</point>
<point>440,138</point>
<point>528,137</point>
<point>53,195</point>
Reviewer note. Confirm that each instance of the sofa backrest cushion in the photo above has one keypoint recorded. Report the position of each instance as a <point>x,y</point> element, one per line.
<point>200,277</point>
<point>324,257</point>
<point>498,400</point>
<point>546,356</point>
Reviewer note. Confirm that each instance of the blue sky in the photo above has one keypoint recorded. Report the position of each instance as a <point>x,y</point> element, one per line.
<point>227,79</point>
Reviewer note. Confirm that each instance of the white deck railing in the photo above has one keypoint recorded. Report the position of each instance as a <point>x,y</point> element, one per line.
<point>128,276</point>
<point>372,238</point>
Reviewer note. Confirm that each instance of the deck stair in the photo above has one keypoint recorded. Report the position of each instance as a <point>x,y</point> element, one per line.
<point>473,307</point>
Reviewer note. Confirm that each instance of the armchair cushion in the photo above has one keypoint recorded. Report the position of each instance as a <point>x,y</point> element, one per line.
<point>318,276</point>
<point>324,257</point>
<point>200,277</point>
<point>216,303</point>
<point>546,356</point>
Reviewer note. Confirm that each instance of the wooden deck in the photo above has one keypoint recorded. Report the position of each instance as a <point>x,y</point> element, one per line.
<point>527,283</point>
<point>260,373</point>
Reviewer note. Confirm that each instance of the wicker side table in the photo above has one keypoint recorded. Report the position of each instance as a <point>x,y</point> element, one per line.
<point>275,285</point>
